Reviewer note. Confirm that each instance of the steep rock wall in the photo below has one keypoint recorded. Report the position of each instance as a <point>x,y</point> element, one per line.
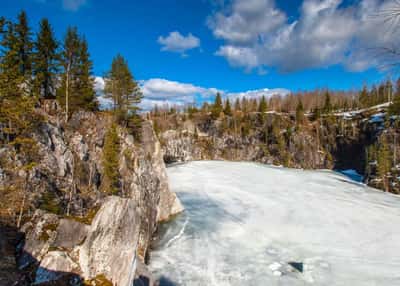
<point>67,181</point>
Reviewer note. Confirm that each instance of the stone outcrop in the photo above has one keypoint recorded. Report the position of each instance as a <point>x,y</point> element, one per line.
<point>70,233</point>
<point>209,143</point>
<point>169,204</point>
<point>111,243</point>
<point>57,265</point>
<point>40,233</point>
<point>65,234</point>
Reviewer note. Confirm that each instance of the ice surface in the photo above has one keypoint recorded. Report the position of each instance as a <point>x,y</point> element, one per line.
<point>244,222</point>
<point>353,174</point>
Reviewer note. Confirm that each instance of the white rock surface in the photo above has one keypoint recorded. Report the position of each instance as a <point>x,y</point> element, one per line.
<point>110,246</point>
<point>54,265</point>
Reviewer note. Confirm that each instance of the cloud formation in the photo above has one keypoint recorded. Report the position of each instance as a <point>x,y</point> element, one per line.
<point>157,91</point>
<point>259,35</point>
<point>73,5</point>
<point>257,93</point>
<point>176,42</point>
<point>163,92</point>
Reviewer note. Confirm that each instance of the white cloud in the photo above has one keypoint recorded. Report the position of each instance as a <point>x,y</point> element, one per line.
<point>246,21</point>
<point>73,5</point>
<point>163,92</point>
<point>176,42</point>
<point>157,88</point>
<point>258,93</point>
<point>257,34</point>
<point>157,91</point>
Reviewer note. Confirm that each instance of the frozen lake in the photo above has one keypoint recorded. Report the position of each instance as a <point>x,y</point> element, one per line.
<point>247,223</point>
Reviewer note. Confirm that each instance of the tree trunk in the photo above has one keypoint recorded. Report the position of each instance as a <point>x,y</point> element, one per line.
<point>67,93</point>
<point>21,210</point>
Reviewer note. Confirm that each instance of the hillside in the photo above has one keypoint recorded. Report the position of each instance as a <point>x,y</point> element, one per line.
<point>339,140</point>
<point>74,227</point>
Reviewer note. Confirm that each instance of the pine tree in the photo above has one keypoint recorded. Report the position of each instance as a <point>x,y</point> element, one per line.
<point>244,105</point>
<point>373,97</point>
<point>227,109</point>
<point>77,84</point>
<point>85,95</point>
<point>9,63</point>
<point>262,107</point>
<point>317,113</point>
<point>16,106</point>
<point>23,45</point>
<point>111,152</point>
<point>327,105</point>
<point>253,105</point>
<point>69,60</point>
<point>394,108</point>
<point>217,106</point>
<point>388,91</point>
<point>15,66</point>
<point>121,87</point>
<point>299,113</point>
<point>237,104</point>
<point>384,162</point>
<point>363,97</point>
<point>45,61</point>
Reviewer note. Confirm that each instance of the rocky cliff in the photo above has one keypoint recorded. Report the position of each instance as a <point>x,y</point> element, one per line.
<point>346,140</point>
<point>74,231</point>
<point>251,139</point>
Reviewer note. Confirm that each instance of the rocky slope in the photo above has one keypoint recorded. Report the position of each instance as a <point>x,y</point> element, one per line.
<point>340,141</point>
<point>222,140</point>
<point>73,230</point>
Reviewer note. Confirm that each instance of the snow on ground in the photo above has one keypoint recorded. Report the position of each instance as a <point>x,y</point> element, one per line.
<point>252,224</point>
<point>350,114</point>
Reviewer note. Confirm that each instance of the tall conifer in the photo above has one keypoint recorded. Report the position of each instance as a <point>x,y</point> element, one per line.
<point>45,63</point>
<point>121,87</point>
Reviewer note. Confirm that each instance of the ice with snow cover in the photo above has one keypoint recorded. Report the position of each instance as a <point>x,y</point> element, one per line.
<point>244,223</point>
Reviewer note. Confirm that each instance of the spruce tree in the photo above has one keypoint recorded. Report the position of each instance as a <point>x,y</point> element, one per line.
<point>77,85</point>
<point>45,61</point>
<point>384,162</point>
<point>262,107</point>
<point>244,104</point>
<point>317,113</point>
<point>227,108</point>
<point>69,60</point>
<point>327,105</point>
<point>9,69</point>
<point>217,107</point>
<point>394,108</point>
<point>23,45</point>
<point>237,104</point>
<point>121,87</point>
<point>111,152</point>
<point>364,98</point>
<point>299,113</point>
<point>85,95</point>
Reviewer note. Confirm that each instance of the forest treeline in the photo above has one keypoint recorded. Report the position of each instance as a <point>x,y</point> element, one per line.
<point>313,103</point>
<point>278,121</point>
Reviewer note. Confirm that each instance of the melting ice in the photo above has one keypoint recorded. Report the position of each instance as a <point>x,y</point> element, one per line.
<point>252,224</point>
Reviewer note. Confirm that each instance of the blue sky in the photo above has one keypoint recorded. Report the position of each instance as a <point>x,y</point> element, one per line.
<point>233,46</point>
